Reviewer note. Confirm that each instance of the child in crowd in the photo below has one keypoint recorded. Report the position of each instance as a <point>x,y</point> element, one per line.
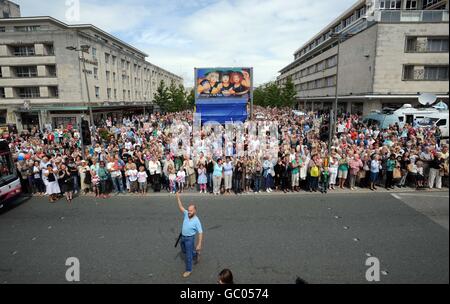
<point>325,179</point>
<point>202,178</point>
<point>142,180</point>
<point>132,177</point>
<point>420,178</point>
<point>95,181</point>
<point>181,179</point>
<point>172,179</point>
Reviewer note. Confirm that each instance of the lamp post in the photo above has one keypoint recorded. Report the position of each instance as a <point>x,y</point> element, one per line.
<point>334,113</point>
<point>85,49</point>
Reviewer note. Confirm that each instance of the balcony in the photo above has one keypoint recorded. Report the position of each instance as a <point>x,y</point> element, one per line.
<point>392,16</point>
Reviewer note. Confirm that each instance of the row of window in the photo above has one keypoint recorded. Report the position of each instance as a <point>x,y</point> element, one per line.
<point>418,44</point>
<point>30,71</point>
<point>320,66</point>
<point>317,84</point>
<point>426,73</point>
<point>27,28</point>
<point>126,94</point>
<point>31,92</point>
<point>397,4</point>
<point>29,50</point>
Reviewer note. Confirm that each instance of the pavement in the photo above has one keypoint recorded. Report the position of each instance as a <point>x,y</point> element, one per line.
<point>265,238</point>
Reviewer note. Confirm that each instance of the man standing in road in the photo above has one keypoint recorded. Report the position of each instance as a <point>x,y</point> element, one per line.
<point>191,226</point>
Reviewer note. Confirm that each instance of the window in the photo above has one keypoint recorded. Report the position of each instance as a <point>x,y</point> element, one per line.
<point>319,83</point>
<point>49,49</point>
<point>114,77</point>
<point>427,73</point>
<point>312,69</point>
<point>26,71</point>
<point>436,73</point>
<point>95,73</point>
<point>321,66</point>
<point>51,70</point>
<point>28,92</point>
<point>330,81</point>
<point>408,72</point>
<point>108,93</point>
<point>24,50</point>
<point>106,58</point>
<point>30,28</point>
<point>427,44</point>
<point>2,29</point>
<point>382,4</point>
<point>411,44</point>
<point>331,62</point>
<point>115,93</point>
<point>124,94</point>
<point>53,91</point>
<point>108,74</point>
<point>97,92</point>
<point>442,122</point>
<point>94,53</point>
<point>395,4</point>
<point>2,93</point>
<point>437,45</point>
<point>114,60</point>
<point>411,4</point>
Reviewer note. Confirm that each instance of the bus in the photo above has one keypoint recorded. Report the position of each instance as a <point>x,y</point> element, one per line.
<point>10,187</point>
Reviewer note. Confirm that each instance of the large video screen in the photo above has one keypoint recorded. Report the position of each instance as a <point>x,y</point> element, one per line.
<point>223,82</point>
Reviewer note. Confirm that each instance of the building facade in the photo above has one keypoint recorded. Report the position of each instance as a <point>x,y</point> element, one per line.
<point>379,53</point>
<point>44,70</point>
<point>9,9</point>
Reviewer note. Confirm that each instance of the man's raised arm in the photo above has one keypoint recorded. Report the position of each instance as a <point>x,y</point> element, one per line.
<point>180,205</point>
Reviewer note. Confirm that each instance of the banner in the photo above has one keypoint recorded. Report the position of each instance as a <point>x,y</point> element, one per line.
<point>223,83</point>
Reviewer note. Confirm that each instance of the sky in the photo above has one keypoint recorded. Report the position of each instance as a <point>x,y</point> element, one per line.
<point>180,35</point>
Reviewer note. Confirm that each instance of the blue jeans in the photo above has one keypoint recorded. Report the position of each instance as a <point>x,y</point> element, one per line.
<point>268,181</point>
<point>117,183</point>
<point>188,249</point>
<point>210,182</point>
<point>76,186</point>
<point>257,183</point>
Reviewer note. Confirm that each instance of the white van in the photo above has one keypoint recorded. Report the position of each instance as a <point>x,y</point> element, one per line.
<point>408,114</point>
<point>441,122</point>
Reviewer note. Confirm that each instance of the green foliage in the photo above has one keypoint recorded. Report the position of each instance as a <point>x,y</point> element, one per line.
<point>275,96</point>
<point>173,98</point>
<point>162,96</point>
<point>288,94</point>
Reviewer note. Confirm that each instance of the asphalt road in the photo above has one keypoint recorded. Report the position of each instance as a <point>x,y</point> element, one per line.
<point>262,239</point>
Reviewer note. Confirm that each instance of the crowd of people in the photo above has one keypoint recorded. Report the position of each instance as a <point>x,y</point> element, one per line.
<point>288,153</point>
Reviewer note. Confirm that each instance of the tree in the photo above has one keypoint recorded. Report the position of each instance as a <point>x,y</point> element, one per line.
<point>162,96</point>
<point>259,97</point>
<point>288,93</point>
<point>191,99</point>
<point>273,96</point>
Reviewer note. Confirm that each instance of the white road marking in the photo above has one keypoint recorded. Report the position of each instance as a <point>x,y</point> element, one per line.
<point>419,194</point>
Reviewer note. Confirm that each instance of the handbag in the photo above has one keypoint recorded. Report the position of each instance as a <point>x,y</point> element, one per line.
<point>51,177</point>
<point>410,168</point>
<point>397,173</point>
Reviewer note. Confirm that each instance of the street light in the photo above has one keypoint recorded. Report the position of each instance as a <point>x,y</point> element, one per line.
<point>340,37</point>
<point>85,49</point>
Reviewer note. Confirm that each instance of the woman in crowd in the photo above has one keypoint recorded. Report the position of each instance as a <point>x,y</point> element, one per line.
<point>51,182</point>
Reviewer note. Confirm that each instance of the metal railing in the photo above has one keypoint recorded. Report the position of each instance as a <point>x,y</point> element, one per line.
<point>412,16</point>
